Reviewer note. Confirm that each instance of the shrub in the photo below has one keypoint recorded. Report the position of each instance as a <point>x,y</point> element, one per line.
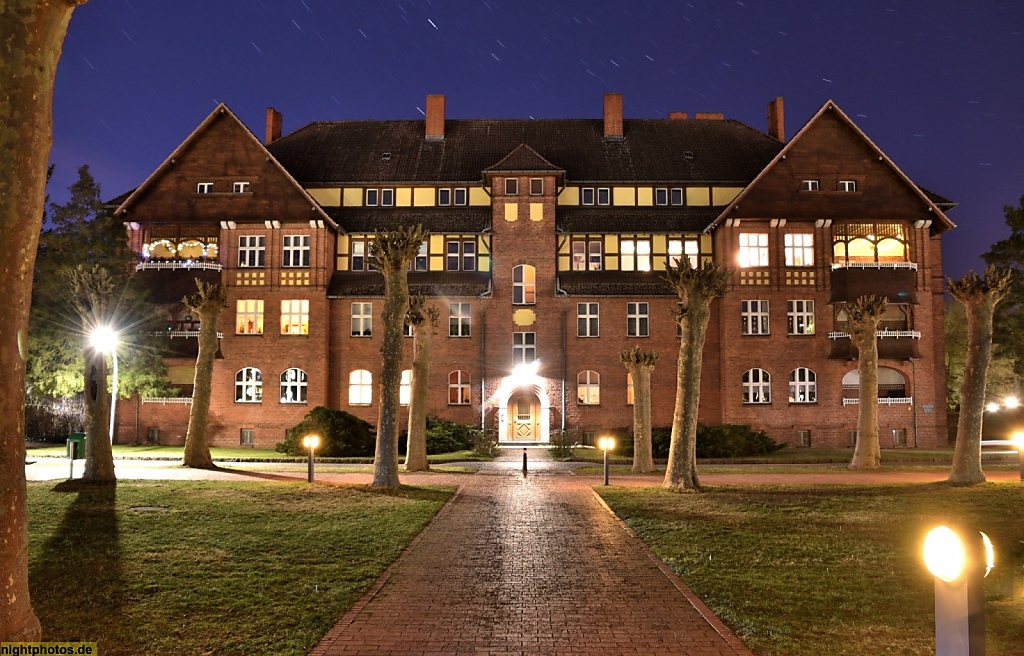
<point>733,441</point>
<point>661,440</point>
<point>52,420</point>
<point>447,436</point>
<point>341,434</point>
<point>485,444</point>
<point>562,442</point>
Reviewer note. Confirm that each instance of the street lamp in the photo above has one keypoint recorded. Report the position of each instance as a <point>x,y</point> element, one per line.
<point>606,444</point>
<point>959,561</point>
<point>104,339</point>
<point>1018,441</point>
<point>311,442</point>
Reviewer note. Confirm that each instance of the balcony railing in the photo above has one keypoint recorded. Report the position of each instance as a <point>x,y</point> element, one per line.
<point>168,400</point>
<point>178,264</point>
<point>905,400</point>
<point>913,334</point>
<point>186,333</point>
<point>875,265</point>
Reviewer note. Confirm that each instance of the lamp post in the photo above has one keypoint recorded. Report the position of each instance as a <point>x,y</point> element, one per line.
<point>959,561</point>
<point>606,444</point>
<point>104,339</point>
<point>1018,441</point>
<point>311,442</point>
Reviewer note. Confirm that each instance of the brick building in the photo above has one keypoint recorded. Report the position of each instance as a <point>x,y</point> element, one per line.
<point>547,238</point>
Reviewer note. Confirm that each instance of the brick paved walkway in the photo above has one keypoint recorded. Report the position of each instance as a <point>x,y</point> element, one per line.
<point>528,565</point>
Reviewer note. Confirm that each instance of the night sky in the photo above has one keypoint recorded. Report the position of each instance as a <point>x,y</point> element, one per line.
<point>938,85</point>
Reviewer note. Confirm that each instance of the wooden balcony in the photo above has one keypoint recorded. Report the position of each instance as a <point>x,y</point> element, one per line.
<point>894,281</point>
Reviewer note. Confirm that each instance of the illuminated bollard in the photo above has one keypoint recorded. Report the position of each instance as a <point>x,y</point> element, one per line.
<point>606,444</point>
<point>311,442</point>
<point>524,461</point>
<point>960,562</point>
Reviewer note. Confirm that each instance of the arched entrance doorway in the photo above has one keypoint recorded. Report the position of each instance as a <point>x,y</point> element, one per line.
<point>524,409</point>
<point>523,417</point>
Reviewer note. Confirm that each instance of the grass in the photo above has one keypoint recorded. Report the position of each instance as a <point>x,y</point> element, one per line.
<point>211,567</point>
<point>795,456</point>
<point>808,570</point>
<point>233,454</point>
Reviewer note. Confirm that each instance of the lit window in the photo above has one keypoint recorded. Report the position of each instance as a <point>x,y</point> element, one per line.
<point>847,185</point>
<point>753,249</point>
<point>293,386</point>
<point>372,196</point>
<point>387,197</point>
<point>524,285</point>
<point>360,387</point>
<point>421,261</point>
<point>511,186</point>
<point>799,249</point>
<point>524,348</point>
<point>800,317</point>
<point>458,388</point>
<point>802,386</point>
<point>405,387</point>
<point>587,196</point>
<point>678,248</point>
<point>249,317</point>
<point>588,388</point>
<point>240,187</point>
<point>586,255</point>
<point>459,195</point>
<point>248,386</point>
<point>677,196</point>
<point>661,196</point>
<point>755,317</point>
<point>630,398</point>
<point>536,186</point>
<point>204,188</point>
<point>757,386</point>
<point>458,319</point>
<point>358,255</point>
<point>444,197</point>
<point>362,319</point>
<point>637,320</point>
<point>295,317</point>
<point>635,255</point>
<point>251,251</point>
<point>296,251</point>
<point>587,319</point>
<point>604,196</point>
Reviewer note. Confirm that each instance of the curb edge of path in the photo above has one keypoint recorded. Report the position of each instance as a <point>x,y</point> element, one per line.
<point>727,634</point>
<point>346,620</point>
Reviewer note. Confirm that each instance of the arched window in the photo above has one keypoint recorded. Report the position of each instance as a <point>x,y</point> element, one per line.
<point>803,386</point>
<point>293,386</point>
<point>249,386</point>
<point>588,388</point>
<point>869,243</point>
<point>757,386</point>
<point>891,384</point>
<point>524,285</point>
<point>360,387</point>
<point>405,388</point>
<point>458,388</point>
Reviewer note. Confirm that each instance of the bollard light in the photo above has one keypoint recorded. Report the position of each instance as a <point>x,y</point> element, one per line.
<point>606,444</point>
<point>311,442</point>
<point>959,561</point>
<point>1018,441</point>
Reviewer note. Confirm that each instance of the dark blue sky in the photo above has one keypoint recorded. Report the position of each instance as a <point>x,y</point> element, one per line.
<point>937,84</point>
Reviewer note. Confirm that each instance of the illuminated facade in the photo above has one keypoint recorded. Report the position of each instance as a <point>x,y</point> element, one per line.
<point>546,243</point>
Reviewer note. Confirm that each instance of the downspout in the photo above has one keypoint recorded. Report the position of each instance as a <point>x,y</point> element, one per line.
<point>913,372</point>
<point>560,292</point>
<point>483,357</point>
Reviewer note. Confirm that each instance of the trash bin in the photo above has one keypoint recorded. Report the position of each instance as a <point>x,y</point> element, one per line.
<point>76,446</point>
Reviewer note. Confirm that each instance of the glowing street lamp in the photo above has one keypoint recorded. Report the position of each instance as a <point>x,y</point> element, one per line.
<point>992,406</point>
<point>959,562</point>
<point>606,444</point>
<point>1018,441</point>
<point>104,339</point>
<point>311,442</point>
<point>1011,402</point>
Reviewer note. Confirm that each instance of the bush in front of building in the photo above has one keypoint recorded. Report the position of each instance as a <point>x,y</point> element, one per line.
<point>342,435</point>
<point>53,419</point>
<point>447,436</point>
<point>733,441</point>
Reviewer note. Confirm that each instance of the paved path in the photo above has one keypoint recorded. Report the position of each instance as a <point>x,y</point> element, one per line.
<point>528,565</point>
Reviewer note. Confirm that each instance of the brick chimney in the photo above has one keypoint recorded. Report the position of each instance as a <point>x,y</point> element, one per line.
<point>677,116</point>
<point>709,116</point>
<point>776,120</point>
<point>613,116</point>
<point>273,126</point>
<point>435,117</point>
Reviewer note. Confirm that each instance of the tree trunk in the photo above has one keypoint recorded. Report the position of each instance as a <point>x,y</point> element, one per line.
<point>396,302</point>
<point>33,34</point>
<point>967,453</point>
<point>643,457</point>
<point>99,456</point>
<point>864,315</point>
<point>681,473</point>
<point>416,448</point>
<point>208,304</point>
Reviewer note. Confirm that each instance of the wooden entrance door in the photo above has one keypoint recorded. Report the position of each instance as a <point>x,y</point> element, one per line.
<point>524,417</point>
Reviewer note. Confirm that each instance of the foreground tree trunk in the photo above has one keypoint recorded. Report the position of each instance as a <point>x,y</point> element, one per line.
<point>979,297</point>
<point>640,364</point>
<point>33,33</point>
<point>391,253</point>
<point>864,315</point>
<point>696,288</point>
<point>423,320</point>
<point>207,303</point>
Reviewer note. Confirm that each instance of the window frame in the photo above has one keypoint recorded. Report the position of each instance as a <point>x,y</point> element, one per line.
<point>241,187</point>
<point>677,198</point>
<point>755,317</point>
<point>252,251</point>
<point>456,193</point>
<point>758,249</point>
<point>204,187</point>
<point>809,385</point>
<point>588,319</point>
<point>421,262</point>
<point>251,316</point>
<point>248,382</point>
<point>846,186</point>
<point>289,310</point>
<point>800,316</point>
<point>444,197</point>
<point>604,196</point>
<point>524,290</point>
<point>387,197</point>
<point>638,319</point>
<point>372,197</point>
<point>405,388</point>
<point>588,388</point>
<point>798,249</point>
<point>360,387</point>
<point>536,186</point>
<point>460,318</point>
<point>757,392</point>
<point>810,185</point>
<point>661,196</point>
<point>363,319</point>
<point>460,391</point>
<point>637,261</point>
<point>584,193</point>
<point>524,347</point>
<point>295,255</point>
<point>299,385</point>
<point>511,186</point>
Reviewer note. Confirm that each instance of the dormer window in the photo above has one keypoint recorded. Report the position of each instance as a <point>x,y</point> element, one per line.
<point>587,196</point>
<point>536,186</point>
<point>387,197</point>
<point>661,196</point>
<point>459,195</point>
<point>372,196</point>
<point>847,185</point>
<point>204,188</point>
<point>677,196</point>
<point>809,185</point>
<point>240,187</point>
<point>511,186</point>
<point>444,197</point>
<point>604,196</point>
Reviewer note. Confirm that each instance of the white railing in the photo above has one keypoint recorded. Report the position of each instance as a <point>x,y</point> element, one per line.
<point>875,265</point>
<point>185,333</point>
<point>902,400</point>
<point>180,264</point>
<point>914,334</point>
<point>178,400</point>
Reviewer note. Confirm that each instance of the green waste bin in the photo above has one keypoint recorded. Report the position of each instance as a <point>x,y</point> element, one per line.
<point>76,446</point>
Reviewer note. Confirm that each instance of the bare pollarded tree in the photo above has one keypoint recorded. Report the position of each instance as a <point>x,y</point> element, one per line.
<point>979,296</point>
<point>640,364</point>
<point>696,288</point>
<point>391,253</point>
<point>207,303</point>
<point>423,318</point>
<point>864,314</point>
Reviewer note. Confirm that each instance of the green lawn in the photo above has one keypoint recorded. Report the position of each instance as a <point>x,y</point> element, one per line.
<point>228,454</point>
<point>810,570</point>
<point>211,567</point>
<point>805,456</point>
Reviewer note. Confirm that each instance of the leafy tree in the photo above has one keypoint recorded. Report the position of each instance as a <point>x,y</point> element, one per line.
<point>391,253</point>
<point>1002,380</point>
<point>33,35</point>
<point>423,319</point>
<point>1009,318</point>
<point>207,303</point>
<point>865,313</point>
<point>979,296</point>
<point>640,364</point>
<point>696,288</point>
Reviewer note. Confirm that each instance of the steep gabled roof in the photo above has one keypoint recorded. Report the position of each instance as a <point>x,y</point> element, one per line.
<point>929,199</point>
<point>523,160</point>
<point>221,110</point>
